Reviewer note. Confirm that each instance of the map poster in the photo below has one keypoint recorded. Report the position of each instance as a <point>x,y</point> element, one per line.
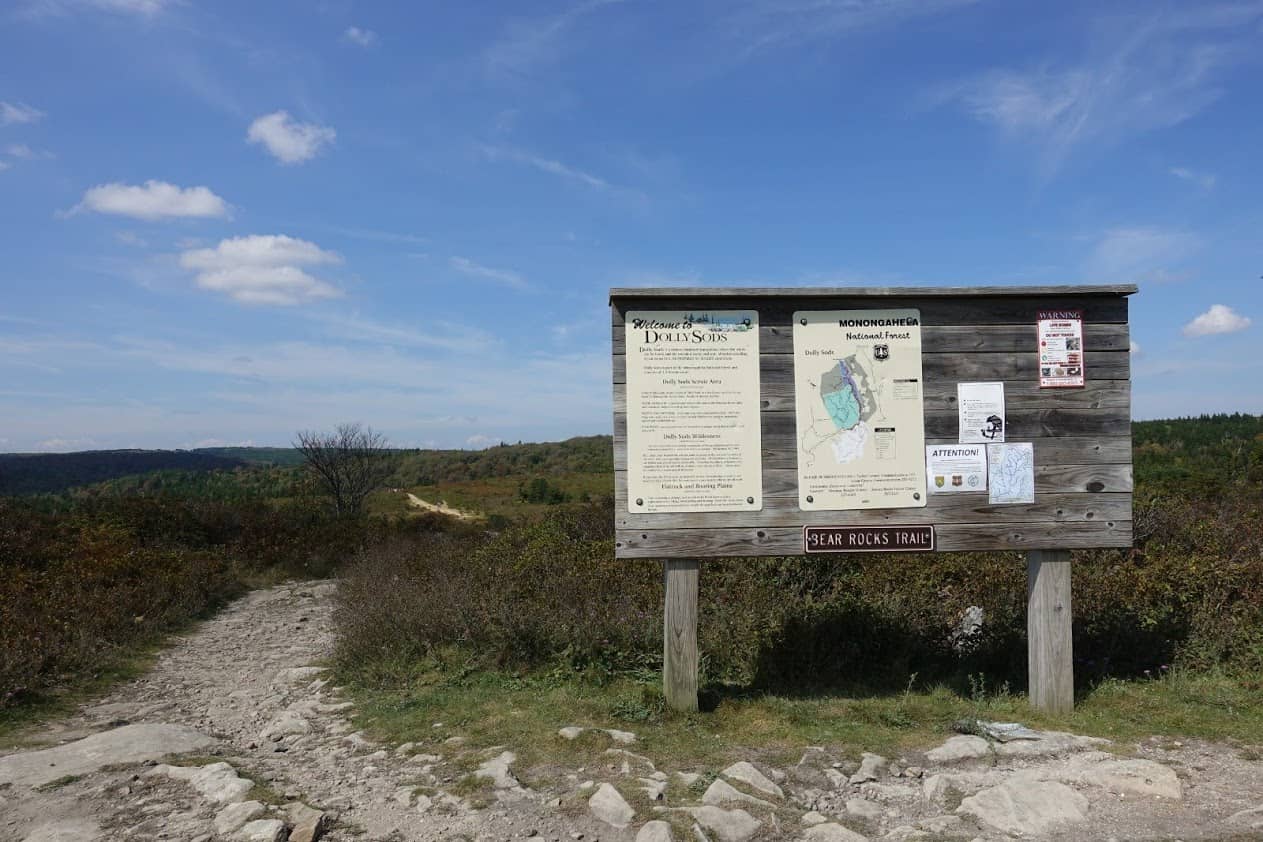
<point>1060,348</point>
<point>981,410</point>
<point>1010,473</point>
<point>953,468</point>
<point>858,406</point>
<point>693,437</point>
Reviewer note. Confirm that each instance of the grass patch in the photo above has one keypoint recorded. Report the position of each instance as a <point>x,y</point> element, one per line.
<point>523,712</point>
<point>64,780</point>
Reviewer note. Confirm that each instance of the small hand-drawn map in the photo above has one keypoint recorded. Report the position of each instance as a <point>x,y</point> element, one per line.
<point>1010,473</point>
<point>858,408</point>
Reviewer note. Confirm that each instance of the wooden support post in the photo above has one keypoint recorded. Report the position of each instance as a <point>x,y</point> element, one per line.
<point>679,633</point>
<point>1050,645</point>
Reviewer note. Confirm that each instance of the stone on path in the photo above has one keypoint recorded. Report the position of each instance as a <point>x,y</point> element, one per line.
<point>497,770</point>
<point>871,767</point>
<point>962,747</point>
<point>571,732</point>
<point>234,816</point>
<point>722,792</point>
<point>812,818</point>
<point>217,782</point>
<point>655,831</point>
<point>609,806</point>
<point>1049,742</point>
<point>688,778</point>
<point>285,724</point>
<point>1026,807</point>
<point>294,675</point>
<point>309,823</point>
<point>747,774</point>
<point>862,808</point>
<point>66,830</point>
<point>831,832</point>
<point>1135,777</point>
<point>129,744</point>
<point>727,825</point>
<point>624,737</point>
<point>1251,818</point>
<point>262,830</point>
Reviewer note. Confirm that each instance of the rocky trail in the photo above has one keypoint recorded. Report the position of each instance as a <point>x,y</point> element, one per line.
<point>236,735</point>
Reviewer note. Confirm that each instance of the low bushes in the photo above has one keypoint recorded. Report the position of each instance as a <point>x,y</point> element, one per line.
<point>549,594</point>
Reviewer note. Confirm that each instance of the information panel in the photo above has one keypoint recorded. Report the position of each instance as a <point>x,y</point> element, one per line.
<point>859,409</point>
<point>693,436</point>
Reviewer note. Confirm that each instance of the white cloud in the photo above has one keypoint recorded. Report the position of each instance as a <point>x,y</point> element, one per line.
<point>769,24</point>
<point>1206,181</point>
<point>481,441</point>
<point>497,153</point>
<point>11,114</point>
<point>58,445</point>
<point>19,150</point>
<point>131,238</point>
<point>1144,74</point>
<point>1218,319</point>
<point>289,141</point>
<point>1141,253</point>
<point>262,269</point>
<point>152,201</point>
<point>476,270</point>
<point>4,165</point>
<point>360,37</point>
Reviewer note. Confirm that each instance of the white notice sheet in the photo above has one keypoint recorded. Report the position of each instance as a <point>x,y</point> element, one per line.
<point>953,468</point>
<point>1010,473</point>
<point>693,436</point>
<point>981,409</point>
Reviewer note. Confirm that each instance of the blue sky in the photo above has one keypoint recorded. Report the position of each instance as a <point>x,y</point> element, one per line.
<point>222,222</point>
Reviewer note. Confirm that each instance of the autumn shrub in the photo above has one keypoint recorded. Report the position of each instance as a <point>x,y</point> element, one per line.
<point>549,594</point>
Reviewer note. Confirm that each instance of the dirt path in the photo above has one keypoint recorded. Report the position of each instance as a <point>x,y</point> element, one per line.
<point>441,508</point>
<point>243,697</point>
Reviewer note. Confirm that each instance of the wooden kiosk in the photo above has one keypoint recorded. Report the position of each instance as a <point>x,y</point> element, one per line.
<point>784,421</point>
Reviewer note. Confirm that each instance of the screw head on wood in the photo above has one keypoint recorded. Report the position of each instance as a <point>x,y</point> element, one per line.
<point>639,501</point>
<point>750,500</point>
<point>810,499</point>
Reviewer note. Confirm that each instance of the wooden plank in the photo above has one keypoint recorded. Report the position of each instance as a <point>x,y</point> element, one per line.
<point>939,395</point>
<point>948,339</point>
<point>1020,424</point>
<point>1104,365</point>
<point>874,292</point>
<point>772,541</point>
<point>679,634</point>
<point>1050,644</point>
<point>1052,507</point>
<point>1069,450</point>
<point>934,311</point>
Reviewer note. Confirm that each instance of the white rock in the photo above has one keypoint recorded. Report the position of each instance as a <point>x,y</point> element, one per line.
<point>1135,777</point>
<point>284,724</point>
<point>934,789</point>
<point>864,809</point>
<point>403,795</point>
<point>608,805</point>
<point>624,737</point>
<point>722,792</point>
<point>832,832</point>
<point>1026,807</point>
<point>586,785</point>
<point>1050,742</point>
<point>262,830</point>
<point>424,803</point>
<point>571,732</point>
<point>813,818</point>
<point>234,816</point>
<point>871,767</point>
<point>497,770</point>
<point>655,831</point>
<point>294,675</point>
<point>906,833</point>
<point>836,779</point>
<point>962,747</point>
<point>403,749</point>
<point>1251,818</point>
<point>65,830</point>
<point>727,825</point>
<point>127,745</point>
<point>653,788</point>
<point>688,778</point>
<point>941,824</point>
<point>747,774</point>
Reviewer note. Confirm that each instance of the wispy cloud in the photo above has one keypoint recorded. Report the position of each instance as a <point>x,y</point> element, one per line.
<point>440,335</point>
<point>547,165</point>
<point>263,269</point>
<point>139,8</point>
<point>529,43</point>
<point>1143,74</point>
<point>359,37</point>
<point>476,270</point>
<point>1204,180</point>
<point>152,201</point>
<point>19,113</point>
<point>761,25</point>
<point>288,140</point>
<point>1141,254</point>
<point>1218,319</point>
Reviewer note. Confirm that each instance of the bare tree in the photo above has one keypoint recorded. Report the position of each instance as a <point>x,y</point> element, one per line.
<point>351,463</point>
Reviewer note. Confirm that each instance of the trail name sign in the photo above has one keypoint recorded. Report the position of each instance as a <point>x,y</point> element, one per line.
<point>774,421</point>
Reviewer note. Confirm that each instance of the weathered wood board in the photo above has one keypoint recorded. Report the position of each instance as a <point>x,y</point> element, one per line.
<point>1081,437</point>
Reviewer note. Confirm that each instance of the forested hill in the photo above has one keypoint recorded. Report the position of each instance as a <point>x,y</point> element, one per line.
<point>39,473</point>
<point>581,455</point>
